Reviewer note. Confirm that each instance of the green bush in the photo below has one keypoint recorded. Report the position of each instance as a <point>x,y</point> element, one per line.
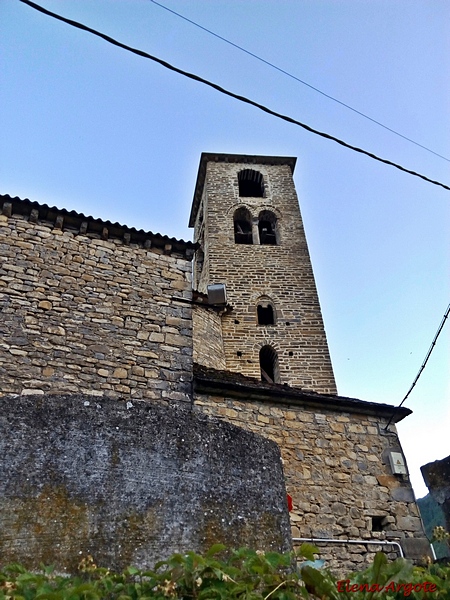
<point>242,574</point>
<point>390,581</point>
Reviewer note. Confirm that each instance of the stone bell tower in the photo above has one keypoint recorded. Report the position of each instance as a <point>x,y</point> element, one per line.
<point>249,229</point>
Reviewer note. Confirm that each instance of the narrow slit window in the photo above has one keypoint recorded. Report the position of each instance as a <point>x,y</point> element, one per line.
<point>268,362</point>
<point>243,226</point>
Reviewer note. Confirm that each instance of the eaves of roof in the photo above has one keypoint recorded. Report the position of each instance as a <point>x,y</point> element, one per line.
<point>235,385</point>
<point>207,157</point>
<point>60,218</point>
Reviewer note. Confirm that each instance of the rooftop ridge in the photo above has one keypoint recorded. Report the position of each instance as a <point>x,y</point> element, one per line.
<point>64,219</point>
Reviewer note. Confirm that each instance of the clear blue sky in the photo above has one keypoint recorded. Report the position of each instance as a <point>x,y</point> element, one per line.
<point>92,128</point>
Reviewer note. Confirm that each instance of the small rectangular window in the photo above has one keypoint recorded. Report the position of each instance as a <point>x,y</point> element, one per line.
<point>377,523</point>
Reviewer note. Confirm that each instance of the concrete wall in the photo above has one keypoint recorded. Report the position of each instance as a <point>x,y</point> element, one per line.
<point>131,483</point>
<point>83,314</point>
<point>337,471</point>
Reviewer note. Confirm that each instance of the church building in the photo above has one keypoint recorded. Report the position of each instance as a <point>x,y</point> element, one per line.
<point>229,325</point>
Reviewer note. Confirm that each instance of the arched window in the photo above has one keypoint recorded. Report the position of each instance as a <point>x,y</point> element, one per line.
<point>243,226</point>
<point>267,226</point>
<point>251,183</point>
<point>268,362</point>
<point>265,313</point>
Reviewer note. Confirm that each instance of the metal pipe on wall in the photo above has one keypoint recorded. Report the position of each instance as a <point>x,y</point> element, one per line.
<point>335,541</point>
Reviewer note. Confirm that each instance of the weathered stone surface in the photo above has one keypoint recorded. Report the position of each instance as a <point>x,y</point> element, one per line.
<point>120,373</point>
<point>72,302</point>
<point>280,273</point>
<point>389,481</point>
<point>402,494</point>
<point>437,479</point>
<point>331,498</point>
<point>44,304</point>
<point>417,548</point>
<point>208,341</point>
<point>131,483</point>
<point>409,523</point>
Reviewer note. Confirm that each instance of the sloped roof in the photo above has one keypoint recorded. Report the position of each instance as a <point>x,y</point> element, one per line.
<point>212,381</point>
<point>64,219</point>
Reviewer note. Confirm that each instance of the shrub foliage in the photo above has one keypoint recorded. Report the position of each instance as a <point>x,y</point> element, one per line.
<point>241,574</point>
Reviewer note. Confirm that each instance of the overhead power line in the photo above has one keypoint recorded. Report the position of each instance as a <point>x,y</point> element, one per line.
<point>273,66</point>
<point>228,93</point>
<point>430,350</point>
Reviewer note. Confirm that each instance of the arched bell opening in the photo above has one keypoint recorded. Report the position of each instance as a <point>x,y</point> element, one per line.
<point>267,227</point>
<point>242,220</point>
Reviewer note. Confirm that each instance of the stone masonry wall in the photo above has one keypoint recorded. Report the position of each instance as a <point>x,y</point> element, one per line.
<point>80,314</point>
<point>282,273</point>
<point>337,472</point>
<point>208,342</point>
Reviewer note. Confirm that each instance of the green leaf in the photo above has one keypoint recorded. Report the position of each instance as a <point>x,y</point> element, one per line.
<point>322,584</point>
<point>379,562</point>
<point>215,549</point>
<point>307,551</point>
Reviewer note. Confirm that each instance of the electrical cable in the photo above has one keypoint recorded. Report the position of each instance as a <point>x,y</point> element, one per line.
<point>228,93</point>
<point>433,343</point>
<point>358,112</point>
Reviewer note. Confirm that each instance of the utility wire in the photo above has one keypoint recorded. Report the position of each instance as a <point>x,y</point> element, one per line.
<point>433,343</point>
<point>358,112</point>
<point>228,93</point>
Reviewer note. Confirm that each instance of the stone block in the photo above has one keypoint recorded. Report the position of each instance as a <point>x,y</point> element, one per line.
<point>45,305</point>
<point>120,373</point>
<point>409,523</point>
<point>416,548</point>
<point>138,371</point>
<point>403,494</point>
<point>338,508</point>
<point>18,352</point>
<point>388,481</point>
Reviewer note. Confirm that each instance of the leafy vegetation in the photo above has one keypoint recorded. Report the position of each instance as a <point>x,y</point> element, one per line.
<point>242,575</point>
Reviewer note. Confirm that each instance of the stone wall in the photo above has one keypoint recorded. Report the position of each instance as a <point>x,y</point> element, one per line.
<point>85,314</point>
<point>131,483</point>
<point>281,273</point>
<point>437,480</point>
<point>208,341</point>
<point>337,471</point>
